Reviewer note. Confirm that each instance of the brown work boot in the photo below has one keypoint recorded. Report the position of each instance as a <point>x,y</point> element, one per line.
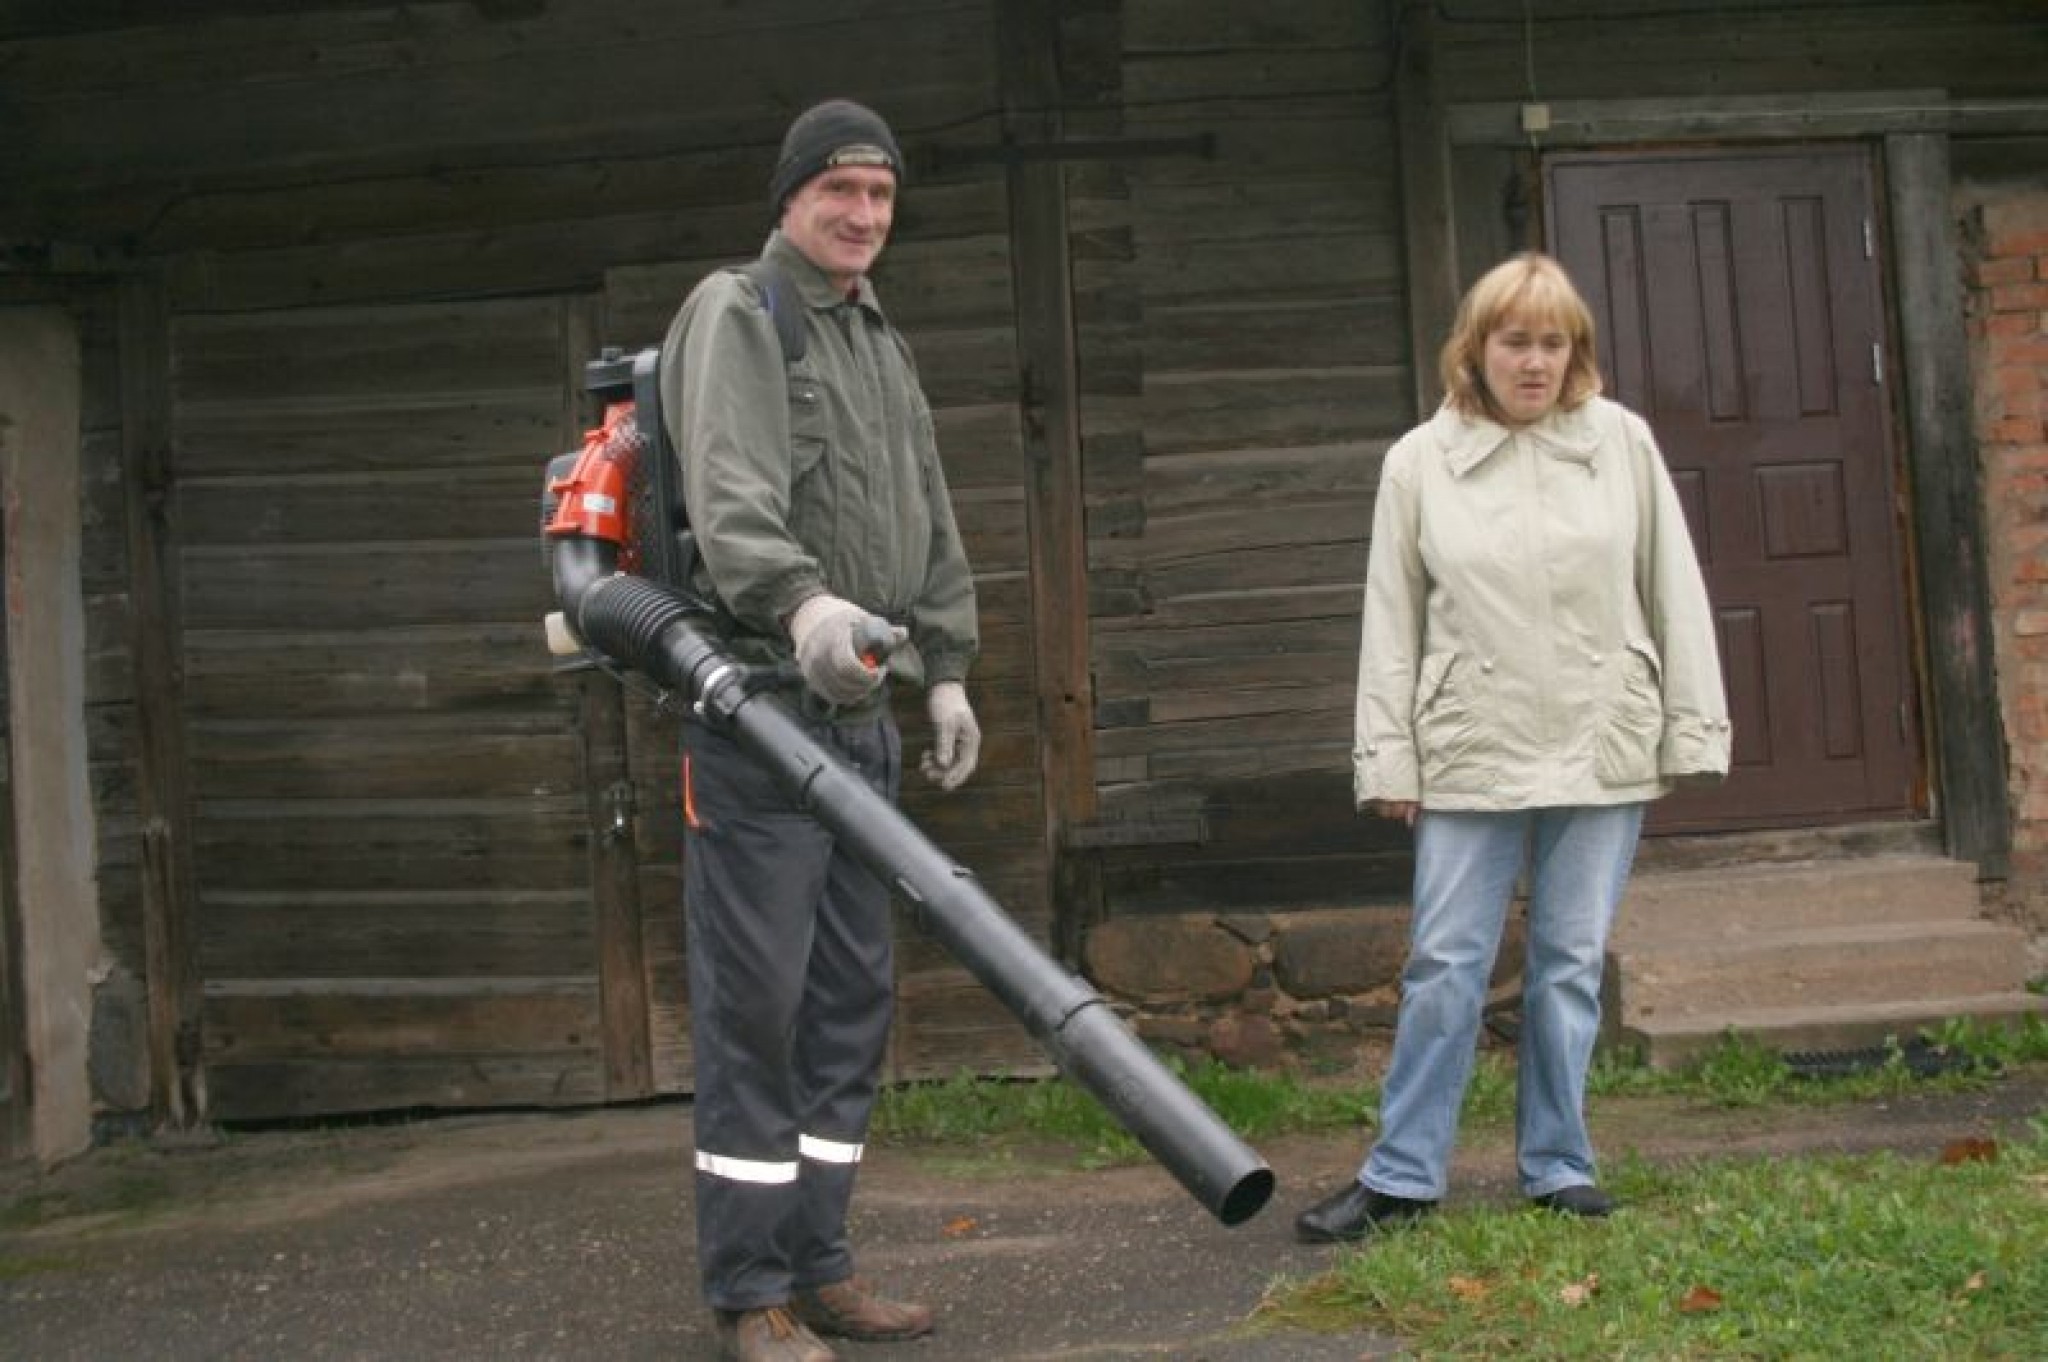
<point>851,1309</point>
<point>771,1334</point>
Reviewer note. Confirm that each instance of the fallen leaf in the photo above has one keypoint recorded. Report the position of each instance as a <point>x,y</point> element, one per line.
<point>1699,1301</point>
<point>1976,1282</point>
<point>1969,1151</point>
<point>1578,1293</point>
<point>1468,1288</point>
<point>962,1225</point>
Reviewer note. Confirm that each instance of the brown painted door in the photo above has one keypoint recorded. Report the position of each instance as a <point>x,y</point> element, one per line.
<point>1739,310</point>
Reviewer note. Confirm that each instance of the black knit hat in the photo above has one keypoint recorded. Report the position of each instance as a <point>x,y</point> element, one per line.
<point>838,132</point>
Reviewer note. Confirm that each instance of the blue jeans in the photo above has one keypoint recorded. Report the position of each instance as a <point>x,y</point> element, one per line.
<point>1466,865</point>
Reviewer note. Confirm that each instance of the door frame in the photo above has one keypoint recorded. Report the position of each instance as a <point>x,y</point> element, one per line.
<point>1460,156</point>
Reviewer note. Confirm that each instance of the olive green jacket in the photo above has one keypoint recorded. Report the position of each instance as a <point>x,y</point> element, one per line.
<point>1536,630</point>
<point>822,476</point>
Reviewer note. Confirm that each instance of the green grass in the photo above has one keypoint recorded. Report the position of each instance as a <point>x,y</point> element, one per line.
<point>1737,1073</point>
<point>1867,1257</point>
<point>1870,1257</point>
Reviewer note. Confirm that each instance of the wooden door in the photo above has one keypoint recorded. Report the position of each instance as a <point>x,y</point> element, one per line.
<point>390,823</point>
<point>1739,310</point>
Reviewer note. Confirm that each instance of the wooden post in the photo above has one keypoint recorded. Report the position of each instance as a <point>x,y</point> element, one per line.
<point>1426,225</point>
<point>1041,273</point>
<point>1948,498</point>
<point>608,801</point>
<point>155,636</point>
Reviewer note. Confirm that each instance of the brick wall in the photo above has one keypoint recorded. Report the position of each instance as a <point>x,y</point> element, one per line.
<point>2006,236</point>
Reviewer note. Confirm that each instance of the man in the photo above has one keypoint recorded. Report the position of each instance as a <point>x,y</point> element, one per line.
<point>821,516</point>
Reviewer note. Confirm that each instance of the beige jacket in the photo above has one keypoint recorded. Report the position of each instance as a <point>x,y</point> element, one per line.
<point>1536,629</point>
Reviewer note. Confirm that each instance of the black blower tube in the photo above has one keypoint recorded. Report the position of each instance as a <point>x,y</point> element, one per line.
<point>646,626</point>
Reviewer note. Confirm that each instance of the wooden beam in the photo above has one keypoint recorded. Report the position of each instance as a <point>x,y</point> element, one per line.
<point>1426,215</point>
<point>1028,43</point>
<point>155,632</point>
<point>1948,522</point>
<point>1792,117</point>
<point>624,1006</point>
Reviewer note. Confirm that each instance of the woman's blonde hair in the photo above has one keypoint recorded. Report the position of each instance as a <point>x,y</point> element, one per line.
<point>1531,286</point>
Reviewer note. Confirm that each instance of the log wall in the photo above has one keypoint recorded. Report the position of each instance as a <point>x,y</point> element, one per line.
<point>1264,373</point>
<point>379,241</point>
<point>384,240</point>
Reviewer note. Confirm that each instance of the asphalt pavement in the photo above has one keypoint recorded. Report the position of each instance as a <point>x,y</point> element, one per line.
<point>538,1235</point>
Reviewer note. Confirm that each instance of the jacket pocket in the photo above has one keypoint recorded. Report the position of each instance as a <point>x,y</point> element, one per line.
<point>1632,721</point>
<point>1450,744</point>
<point>810,512</point>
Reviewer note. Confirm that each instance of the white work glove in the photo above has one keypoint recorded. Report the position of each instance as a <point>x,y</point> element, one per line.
<point>826,631</point>
<point>956,737</point>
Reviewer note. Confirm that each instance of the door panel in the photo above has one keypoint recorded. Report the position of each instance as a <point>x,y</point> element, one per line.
<point>1738,310</point>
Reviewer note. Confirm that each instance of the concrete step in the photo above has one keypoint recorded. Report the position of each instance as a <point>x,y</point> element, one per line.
<point>1749,900</point>
<point>1866,963</point>
<point>1667,1042</point>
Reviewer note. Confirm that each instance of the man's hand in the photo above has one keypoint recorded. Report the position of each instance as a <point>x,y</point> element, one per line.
<point>824,629</point>
<point>956,737</point>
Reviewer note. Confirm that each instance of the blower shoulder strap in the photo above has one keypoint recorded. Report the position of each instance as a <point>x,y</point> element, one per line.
<point>785,307</point>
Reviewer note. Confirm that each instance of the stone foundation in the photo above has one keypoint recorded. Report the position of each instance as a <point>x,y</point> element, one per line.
<point>1266,990</point>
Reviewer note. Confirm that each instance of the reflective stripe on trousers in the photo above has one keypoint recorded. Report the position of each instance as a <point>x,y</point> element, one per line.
<point>791,988</point>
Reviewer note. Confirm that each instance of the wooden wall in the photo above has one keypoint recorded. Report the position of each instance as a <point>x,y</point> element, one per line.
<point>1265,372</point>
<point>381,241</point>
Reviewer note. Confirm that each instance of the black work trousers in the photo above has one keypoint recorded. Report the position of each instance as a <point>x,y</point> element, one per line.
<point>791,989</point>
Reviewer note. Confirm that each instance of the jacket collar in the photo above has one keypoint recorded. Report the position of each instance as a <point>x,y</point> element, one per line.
<point>816,290</point>
<point>1467,441</point>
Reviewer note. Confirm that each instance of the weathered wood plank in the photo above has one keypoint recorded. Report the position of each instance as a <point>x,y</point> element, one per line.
<point>1281,265</point>
<point>1183,25</point>
<point>374,354</point>
<point>498,931</point>
<point>376,757</point>
<point>468,103</point>
<point>1346,328</point>
<point>455,432</point>
<point>428,1080</point>
<point>281,674</point>
<point>387,845</point>
<point>1213,480</point>
<point>1195,537</point>
<point>361,508</point>
<point>948,1024</point>
<point>338,586</point>
<point>1224,410</point>
<point>1276,568</point>
<point>1990,48</point>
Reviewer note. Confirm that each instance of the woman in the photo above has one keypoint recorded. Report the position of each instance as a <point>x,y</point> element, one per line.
<point>1538,663</point>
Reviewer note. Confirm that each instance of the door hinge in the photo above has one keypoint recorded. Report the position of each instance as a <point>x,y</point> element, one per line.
<point>1877,363</point>
<point>1869,240</point>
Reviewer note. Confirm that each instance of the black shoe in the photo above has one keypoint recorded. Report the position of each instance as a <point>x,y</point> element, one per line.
<point>1356,1212</point>
<point>1584,1200</point>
